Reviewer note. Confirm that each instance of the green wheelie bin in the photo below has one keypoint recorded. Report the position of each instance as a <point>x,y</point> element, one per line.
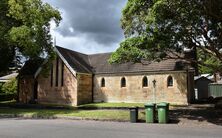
<point>133,114</point>
<point>150,112</point>
<point>163,112</point>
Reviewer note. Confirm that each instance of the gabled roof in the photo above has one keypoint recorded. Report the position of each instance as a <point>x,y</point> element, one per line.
<point>98,63</point>
<point>78,61</point>
<point>30,67</point>
<point>196,78</point>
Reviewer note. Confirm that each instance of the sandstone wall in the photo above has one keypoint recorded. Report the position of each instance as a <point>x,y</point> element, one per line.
<point>66,94</point>
<point>26,89</point>
<point>134,92</point>
<point>84,88</point>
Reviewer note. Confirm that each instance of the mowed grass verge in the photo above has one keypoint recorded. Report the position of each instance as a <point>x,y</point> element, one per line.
<point>89,114</point>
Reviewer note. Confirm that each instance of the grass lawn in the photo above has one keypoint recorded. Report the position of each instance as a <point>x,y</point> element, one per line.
<point>93,114</point>
<point>94,105</point>
<point>8,102</point>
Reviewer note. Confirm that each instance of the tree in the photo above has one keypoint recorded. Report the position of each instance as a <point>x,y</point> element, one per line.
<point>215,65</point>
<point>6,50</point>
<point>158,29</point>
<point>6,56</point>
<point>25,27</point>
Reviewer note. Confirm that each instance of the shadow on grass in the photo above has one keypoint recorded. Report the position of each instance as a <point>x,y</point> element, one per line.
<point>46,111</point>
<point>191,114</point>
<point>110,106</point>
<point>35,113</point>
<point>200,114</point>
<point>142,118</point>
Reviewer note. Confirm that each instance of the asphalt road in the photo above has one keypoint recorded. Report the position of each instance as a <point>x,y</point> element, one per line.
<point>16,128</point>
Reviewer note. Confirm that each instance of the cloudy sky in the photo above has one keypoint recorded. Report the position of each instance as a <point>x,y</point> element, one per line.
<point>89,26</point>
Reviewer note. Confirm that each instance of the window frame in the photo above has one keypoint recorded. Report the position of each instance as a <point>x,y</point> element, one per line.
<point>170,81</point>
<point>62,74</point>
<point>123,82</point>
<point>145,82</point>
<point>103,83</point>
<point>57,72</point>
<point>51,77</point>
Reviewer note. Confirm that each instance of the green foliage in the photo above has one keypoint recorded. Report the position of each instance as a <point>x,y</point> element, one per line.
<point>4,97</point>
<point>134,49</point>
<point>212,65</point>
<point>32,36</point>
<point>6,49</point>
<point>6,56</point>
<point>165,27</point>
<point>1,87</point>
<point>8,90</point>
<point>10,87</point>
<point>25,26</point>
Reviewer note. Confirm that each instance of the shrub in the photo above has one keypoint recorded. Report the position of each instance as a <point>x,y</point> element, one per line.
<point>7,97</point>
<point>1,87</point>
<point>10,87</point>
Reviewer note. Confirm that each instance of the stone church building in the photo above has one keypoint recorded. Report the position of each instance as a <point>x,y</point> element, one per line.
<point>75,78</point>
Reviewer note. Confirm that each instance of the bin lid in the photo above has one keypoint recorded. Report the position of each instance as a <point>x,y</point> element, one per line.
<point>133,107</point>
<point>149,104</point>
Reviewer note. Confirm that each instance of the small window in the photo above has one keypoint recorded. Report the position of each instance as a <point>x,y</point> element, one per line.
<point>169,81</point>
<point>62,75</point>
<point>57,71</point>
<point>103,82</point>
<point>123,82</point>
<point>51,75</point>
<point>145,81</point>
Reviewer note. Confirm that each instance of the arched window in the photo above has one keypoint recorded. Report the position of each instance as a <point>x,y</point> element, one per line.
<point>123,82</point>
<point>145,81</point>
<point>169,81</point>
<point>103,84</point>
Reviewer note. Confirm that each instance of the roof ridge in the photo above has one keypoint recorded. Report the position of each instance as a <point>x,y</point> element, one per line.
<point>84,53</point>
<point>72,50</point>
<point>84,63</point>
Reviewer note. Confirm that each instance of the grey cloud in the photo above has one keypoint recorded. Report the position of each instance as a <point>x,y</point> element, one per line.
<point>95,19</point>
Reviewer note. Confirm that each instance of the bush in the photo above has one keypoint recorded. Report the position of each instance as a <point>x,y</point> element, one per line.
<point>1,87</point>
<point>7,97</point>
<point>10,87</point>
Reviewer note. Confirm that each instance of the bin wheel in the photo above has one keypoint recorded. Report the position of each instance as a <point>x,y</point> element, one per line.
<point>211,99</point>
